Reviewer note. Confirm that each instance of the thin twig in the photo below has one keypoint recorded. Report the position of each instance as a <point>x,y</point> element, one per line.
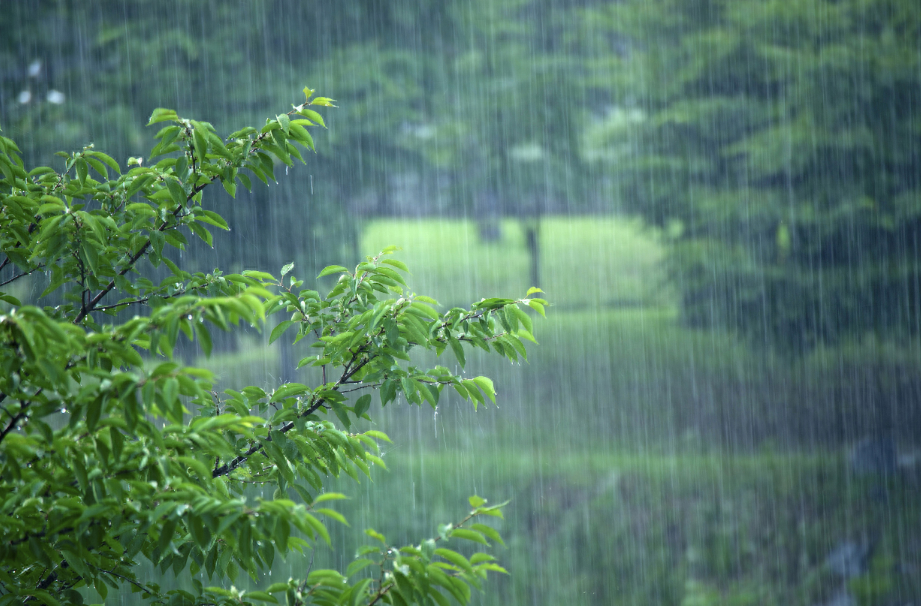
<point>130,580</point>
<point>140,253</point>
<point>147,298</point>
<point>22,275</point>
<point>370,385</point>
<point>14,421</point>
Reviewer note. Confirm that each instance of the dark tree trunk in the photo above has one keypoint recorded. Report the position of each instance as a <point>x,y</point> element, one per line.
<point>532,241</point>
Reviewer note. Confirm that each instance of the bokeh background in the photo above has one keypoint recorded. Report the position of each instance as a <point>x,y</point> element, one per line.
<point>721,199</point>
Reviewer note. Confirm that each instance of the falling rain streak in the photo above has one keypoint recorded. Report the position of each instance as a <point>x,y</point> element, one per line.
<point>721,200</point>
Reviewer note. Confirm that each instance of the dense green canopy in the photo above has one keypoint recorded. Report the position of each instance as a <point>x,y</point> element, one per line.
<point>778,143</point>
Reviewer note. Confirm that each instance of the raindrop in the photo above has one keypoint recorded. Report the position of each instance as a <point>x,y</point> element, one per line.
<point>55,96</point>
<point>35,68</point>
<point>24,97</point>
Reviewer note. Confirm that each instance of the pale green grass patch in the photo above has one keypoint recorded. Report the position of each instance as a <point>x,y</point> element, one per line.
<point>584,261</point>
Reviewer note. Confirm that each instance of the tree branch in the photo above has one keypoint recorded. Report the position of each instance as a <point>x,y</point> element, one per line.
<point>14,421</point>
<point>234,463</point>
<point>136,256</point>
<point>371,385</point>
<point>147,298</point>
<point>128,579</point>
<point>22,275</point>
<point>32,227</point>
<point>47,581</point>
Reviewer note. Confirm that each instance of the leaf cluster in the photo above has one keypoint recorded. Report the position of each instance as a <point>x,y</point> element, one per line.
<point>112,450</point>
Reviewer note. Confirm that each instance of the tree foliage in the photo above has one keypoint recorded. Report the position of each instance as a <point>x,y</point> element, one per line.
<point>478,95</point>
<point>778,143</point>
<point>111,449</point>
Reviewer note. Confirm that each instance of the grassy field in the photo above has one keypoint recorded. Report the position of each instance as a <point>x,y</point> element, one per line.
<point>585,261</point>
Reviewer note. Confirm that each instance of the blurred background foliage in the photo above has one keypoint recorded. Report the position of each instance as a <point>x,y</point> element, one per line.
<point>722,199</point>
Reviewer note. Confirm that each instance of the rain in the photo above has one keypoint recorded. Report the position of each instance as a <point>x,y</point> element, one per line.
<point>720,199</point>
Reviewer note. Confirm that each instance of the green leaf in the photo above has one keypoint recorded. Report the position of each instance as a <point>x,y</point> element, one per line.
<point>537,307</point>
<point>230,187</point>
<point>377,434</point>
<point>212,218</point>
<point>262,596</point>
<point>398,264</point>
<point>323,101</point>
<point>259,275</point>
<point>329,496</point>
<point>277,587</point>
<point>490,566</point>
<point>458,350</point>
<point>358,565</point>
<point>200,142</point>
<point>342,414</point>
<point>461,390</point>
<point>475,394</point>
<point>468,535</point>
<point>280,329</point>
<point>284,121</point>
<point>287,390</point>
<point>426,310</point>
<point>312,115</point>
<point>82,170</point>
<point>204,338</point>
<point>480,557</point>
<point>332,269</point>
<point>162,115</point>
<point>10,299</point>
<point>362,405</point>
<point>202,233</point>
<point>108,160</point>
<point>486,384</point>
<point>286,269</point>
<point>332,514</point>
<point>488,531</point>
<point>388,391</point>
<point>524,318</point>
<point>376,535</point>
<point>176,192</point>
<point>93,412</point>
<point>455,558</point>
<point>98,166</point>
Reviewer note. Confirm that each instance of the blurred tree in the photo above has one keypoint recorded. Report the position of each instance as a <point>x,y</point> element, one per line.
<point>461,109</point>
<point>507,127</point>
<point>112,63</point>
<point>778,144</point>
